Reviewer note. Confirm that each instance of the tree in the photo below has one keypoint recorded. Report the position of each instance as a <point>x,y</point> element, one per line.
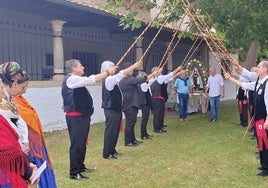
<point>242,25</point>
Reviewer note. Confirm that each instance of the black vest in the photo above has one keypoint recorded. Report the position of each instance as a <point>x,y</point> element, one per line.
<point>111,99</point>
<point>77,99</point>
<point>259,105</point>
<point>144,97</point>
<point>241,94</point>
<point>159,90</point>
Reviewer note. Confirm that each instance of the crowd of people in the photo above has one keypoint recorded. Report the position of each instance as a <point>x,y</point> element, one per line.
<point>22,141</point>
<point>123,92</point>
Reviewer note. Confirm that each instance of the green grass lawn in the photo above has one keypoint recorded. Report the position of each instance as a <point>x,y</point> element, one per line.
<point>194,153</point>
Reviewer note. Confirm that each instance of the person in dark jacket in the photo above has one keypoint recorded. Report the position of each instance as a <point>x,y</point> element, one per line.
<point>78,106</point>
<point>112,105</point>
<point>129,88</point>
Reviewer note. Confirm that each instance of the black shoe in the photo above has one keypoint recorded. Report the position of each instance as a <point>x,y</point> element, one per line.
<point>110,157</point>
<point>146,137</point>
<point>150,136</point>
<point>137,141</point>
<point>116,153</point>
<point>263,173</point>
<point>78,176</point>
<point>261,168</point>
<point>132,144</point>
<point>88,170</point>
<point>160,131</point>
<point>244,125</point>
<point>212,120</point>
<point>164,125</point>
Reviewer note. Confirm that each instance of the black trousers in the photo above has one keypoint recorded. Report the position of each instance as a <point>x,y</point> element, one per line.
<point>243,111</point>
<point>158,113</point>
<point>145,111</point>
<point>78,128</point>
<point>111,133</point>
<point>131,119</point>
<point>264,158</point>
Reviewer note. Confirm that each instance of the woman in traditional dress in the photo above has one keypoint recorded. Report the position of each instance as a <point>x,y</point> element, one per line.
<point>15,169</point>
<point>37,152</point>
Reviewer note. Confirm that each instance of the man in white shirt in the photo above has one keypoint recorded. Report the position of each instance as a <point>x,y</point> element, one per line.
<point>78,106</point>
<point>260,88</point>
<point>214,90</point>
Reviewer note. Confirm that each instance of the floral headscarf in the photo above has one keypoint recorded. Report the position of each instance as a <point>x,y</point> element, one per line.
<point>12,72</point>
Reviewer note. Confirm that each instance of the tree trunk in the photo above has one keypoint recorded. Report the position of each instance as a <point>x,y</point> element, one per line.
<point>252,54</point>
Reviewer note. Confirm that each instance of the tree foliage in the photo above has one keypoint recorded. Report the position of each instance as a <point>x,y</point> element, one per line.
<point>237,22</point>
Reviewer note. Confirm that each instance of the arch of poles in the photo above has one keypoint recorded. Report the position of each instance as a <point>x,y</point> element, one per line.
<point>214,44</point>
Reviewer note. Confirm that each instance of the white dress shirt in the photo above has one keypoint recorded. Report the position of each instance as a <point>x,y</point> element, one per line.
<point>248,75</point>
<point>111,81</point>
<point>75,81</point>
<point>214,84</point>
<point>251,86</point>
<point>145,86</point>
<point>165,78</point>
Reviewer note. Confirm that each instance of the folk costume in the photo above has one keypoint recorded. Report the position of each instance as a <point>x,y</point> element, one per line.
<point>11,72</point>
<point>112,105</point>
<point>14,166</point>
<point>146,106</point>
<point>78,106</point>
<point>259,113</point>
<point>243,105</point>
<point>159,98</point>
<point>38,152</point>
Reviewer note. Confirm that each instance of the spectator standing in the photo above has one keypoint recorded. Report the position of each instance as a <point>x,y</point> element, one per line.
<point>38,150</point>
<point>214,90</point>
<point>15,168</point>
<point>15,82</point>
<point>183,87</point>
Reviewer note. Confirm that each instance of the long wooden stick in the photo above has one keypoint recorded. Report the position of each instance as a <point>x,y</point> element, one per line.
<point>246,132</point>
<point>141,34</point>
<point>176,44</point>
<point>171,42</point>
<point>186,9</point>
<point>159,30</point>
<point>217,43</point>
<point>192,53</point>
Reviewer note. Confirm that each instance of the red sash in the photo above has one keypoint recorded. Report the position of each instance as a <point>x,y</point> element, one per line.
<point>121,126</point>
<point>261,133</point>
<point>240,103</point>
